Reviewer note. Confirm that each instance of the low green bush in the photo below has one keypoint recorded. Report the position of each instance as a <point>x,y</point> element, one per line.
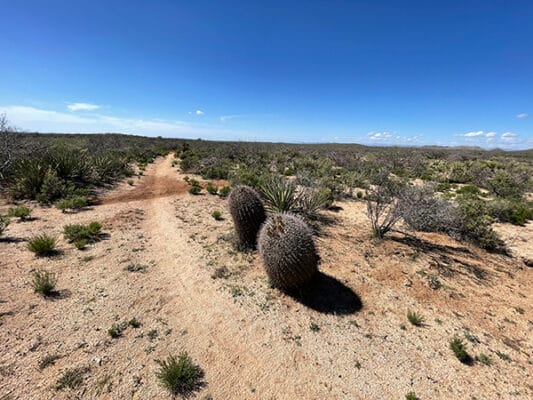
<point>224,191</point>
<point>73,203</point>
<point>179,375</point>
<point>81,235</point>
<point>459,349</point>
<point>211,189</point>
<point>516,212</point>
<point>217,215</point>
<point>195,189</point>
<point>44,282</point>
<point>4,222</point>
<point>42,245</point>
<point>21,212</point>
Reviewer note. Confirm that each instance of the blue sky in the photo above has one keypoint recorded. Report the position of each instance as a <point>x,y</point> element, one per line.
<point>373,72</point>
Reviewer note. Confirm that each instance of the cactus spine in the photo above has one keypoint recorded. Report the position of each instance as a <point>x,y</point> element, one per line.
<point>248,214</point>
<point>288,251</point>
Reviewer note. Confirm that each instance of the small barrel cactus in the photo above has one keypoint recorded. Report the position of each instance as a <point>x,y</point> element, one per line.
<point>288,251</point>
<point>248,214</point>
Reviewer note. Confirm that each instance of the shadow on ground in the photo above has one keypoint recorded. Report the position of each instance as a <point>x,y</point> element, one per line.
<point>329,296</point>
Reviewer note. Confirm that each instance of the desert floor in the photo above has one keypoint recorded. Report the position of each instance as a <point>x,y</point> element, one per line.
<point>347,338</point>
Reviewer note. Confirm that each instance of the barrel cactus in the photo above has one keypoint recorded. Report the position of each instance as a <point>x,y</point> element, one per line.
<point>288,251</point>
<point>248,214</point>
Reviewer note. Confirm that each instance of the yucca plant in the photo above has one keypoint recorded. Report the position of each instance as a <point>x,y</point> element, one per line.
<point>42,245</point>
<point>278,195</point>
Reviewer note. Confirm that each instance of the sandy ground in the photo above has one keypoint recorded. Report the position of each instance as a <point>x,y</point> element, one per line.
<point>195,293</point>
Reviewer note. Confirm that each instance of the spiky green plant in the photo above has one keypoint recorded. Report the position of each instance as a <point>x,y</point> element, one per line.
<point>288,251</point>
<point>73,203</point>
<point>279,194</point>
<point>42,245</point>
<point>81,235</point>
<point>459,349</point>
<point>179,375</point>
<point>248,213</point>
<point>44,282</point>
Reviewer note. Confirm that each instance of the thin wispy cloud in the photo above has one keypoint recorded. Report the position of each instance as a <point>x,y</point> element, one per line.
<point>393,138</point>
<point>522,116</point>
<point>42,120</point>
<point>83,107</point>
<point>199,112</point>
<point>509,137</point>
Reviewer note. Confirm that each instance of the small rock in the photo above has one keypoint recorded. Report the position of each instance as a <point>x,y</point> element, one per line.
<point>408,282</point>
<point>528,261</point>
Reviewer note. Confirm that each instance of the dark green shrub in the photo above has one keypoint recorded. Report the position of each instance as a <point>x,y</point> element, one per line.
<point>360,194</point>
<point>74,203</point>
<point>415,318</point>
<point>288,251</point>
<point>81,235</point>
<point>21,212</point>
<point>469,190</point>
<point>42,245</point>
<point>516,212</point>
<point>217,215</point>
<point>44,282</point>
<point>4,222</point>
<point>116,330</point>
<point>179,375</point>
<point>211,189</point>
<point>71,379</point>
<point>225,191</point>
<point>248,214</point>
<point>459,349</point>
<point>195,189</point>
<point>411,396</point>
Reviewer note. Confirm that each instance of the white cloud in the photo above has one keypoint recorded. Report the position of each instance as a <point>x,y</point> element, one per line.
<point>490,134</point>
<point>474,134</point>
<point>41,120</point>
<point>509,137</point>
<point>83,107</point>
<point>199,112</point>
<point>379,135</point>
<point>523,115</point>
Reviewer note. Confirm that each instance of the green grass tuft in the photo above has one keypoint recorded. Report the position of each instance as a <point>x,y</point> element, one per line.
<point>179,375</point>
<point>42,245</point>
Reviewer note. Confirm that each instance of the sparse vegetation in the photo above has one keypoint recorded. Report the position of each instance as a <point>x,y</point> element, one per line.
<point>224,191</point>
<point>415,318</point>
<point>44,282</point>
<point>484,359</point>
<point>116,329</point>
<point>48,360</point>
<point>411,396</point>
<point>42,245</point>
<point>211,189</point>
<point>73,203</point>
<point>21,212</point>
<point>179,375</point>
<point>81,235</point>
<point>71,379</point>
<point>4,222</point>
<point>217,215</point>
<point>459,349</point>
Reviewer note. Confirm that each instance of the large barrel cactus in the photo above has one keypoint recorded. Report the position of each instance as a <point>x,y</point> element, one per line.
<point>248,214</point>
<point>288,251</point>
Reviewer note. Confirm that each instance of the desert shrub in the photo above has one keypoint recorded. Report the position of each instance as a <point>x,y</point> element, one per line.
<point>249,176</point>
<point>73,203</point>
<point>359,194</point>
<point>511,182</point>
<point>248,213</point>
<point>71,379</point>
<point>21,212</point>
<point>116,329</point>
<point>383,206</point>
<point>195,189</point>
<point>179,375</point>
<point>484,359</point>
<point>211,189</point>
<point>474,224</point>
<point>411,396</point>
<point>423,211</point>
<point>44,282</point>
<point>279,194</point>
<point>81,235</point>
<point>224,191</point>
<point>42,245</point>
<point>415,319</point>
<point>516,212</point>
<point>288,251</point>
<point>4,222</point>
<point>468,190</point>
<point>310,201</point>
<point>459,349</point>
<point>217,215</point>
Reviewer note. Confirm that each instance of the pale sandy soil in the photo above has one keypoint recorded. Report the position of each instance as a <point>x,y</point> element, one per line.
<point>199,295</point>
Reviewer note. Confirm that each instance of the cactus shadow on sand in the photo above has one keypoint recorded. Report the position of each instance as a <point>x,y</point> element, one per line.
<point>327,295</point>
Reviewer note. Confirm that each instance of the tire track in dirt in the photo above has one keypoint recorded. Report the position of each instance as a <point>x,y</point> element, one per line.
<point>230,344</point>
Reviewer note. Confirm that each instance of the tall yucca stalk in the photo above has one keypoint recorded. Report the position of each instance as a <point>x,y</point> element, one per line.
<point>278,194</point>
